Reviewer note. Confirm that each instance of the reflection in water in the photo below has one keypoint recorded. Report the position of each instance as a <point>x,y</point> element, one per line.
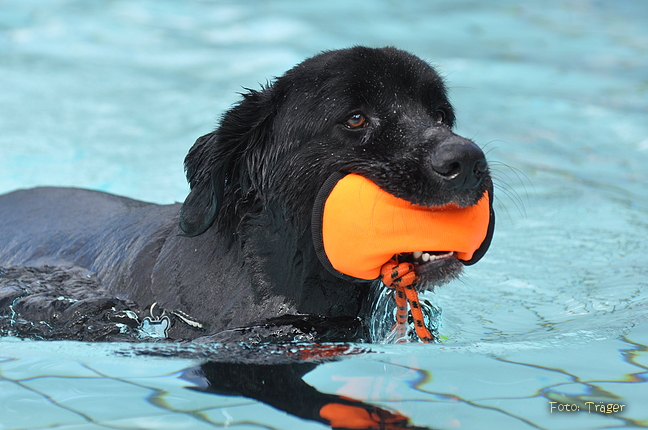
<point>282,386</point>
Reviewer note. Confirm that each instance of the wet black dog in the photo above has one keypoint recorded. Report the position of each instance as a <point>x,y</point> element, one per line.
<point>238,252</point>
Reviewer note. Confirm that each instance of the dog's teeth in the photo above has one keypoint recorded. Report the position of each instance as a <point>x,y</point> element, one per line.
<point>425,257</point>
<point>417,254</point>
<point>438,257</point>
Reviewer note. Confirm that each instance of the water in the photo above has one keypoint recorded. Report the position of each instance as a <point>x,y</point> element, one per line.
<point>110,96</point>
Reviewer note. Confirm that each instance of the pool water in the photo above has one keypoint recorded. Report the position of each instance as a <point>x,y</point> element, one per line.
<point>110,96</point>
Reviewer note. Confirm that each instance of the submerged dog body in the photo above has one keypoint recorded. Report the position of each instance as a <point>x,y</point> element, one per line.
<point>239,251</point>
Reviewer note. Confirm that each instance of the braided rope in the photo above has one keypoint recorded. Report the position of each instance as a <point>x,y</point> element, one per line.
<point>401,277</point>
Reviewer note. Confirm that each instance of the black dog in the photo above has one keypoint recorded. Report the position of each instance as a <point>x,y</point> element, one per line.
<point>239,251</point>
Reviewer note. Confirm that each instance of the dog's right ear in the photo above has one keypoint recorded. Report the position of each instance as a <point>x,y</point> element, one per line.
<point>217,166</point>
<point>201,206</point>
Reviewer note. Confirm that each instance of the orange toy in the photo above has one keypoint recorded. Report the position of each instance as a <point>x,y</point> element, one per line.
<point>358,227</point>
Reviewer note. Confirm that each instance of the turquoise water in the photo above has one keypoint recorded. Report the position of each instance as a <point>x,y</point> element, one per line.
<point>110,96</point>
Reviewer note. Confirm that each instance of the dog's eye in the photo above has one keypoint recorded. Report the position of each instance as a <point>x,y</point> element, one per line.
<point>439,116</point>
<point>356,121</point>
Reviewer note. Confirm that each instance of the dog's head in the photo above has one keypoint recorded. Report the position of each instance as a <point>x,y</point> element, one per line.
<point>380,113</point>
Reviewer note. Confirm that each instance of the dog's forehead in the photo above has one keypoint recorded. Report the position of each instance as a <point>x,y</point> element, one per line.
<point>367,74</point>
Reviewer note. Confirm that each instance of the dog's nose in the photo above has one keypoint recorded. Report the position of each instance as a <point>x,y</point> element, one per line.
<point>460,163</point>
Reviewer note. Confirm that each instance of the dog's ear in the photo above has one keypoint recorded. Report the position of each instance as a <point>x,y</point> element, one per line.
<point>206,175</point>
<point>218,166</point>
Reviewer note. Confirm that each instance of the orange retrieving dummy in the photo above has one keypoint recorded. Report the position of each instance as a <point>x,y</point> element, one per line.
<point>359,230</point>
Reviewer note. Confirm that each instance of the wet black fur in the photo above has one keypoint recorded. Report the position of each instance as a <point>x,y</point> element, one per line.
<point>239,250</point>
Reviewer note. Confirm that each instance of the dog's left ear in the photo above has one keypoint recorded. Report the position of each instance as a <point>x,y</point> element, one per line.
<point>219,165</point>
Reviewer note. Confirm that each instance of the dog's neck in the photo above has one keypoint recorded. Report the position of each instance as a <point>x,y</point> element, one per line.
<point>279,275</point>
<point>282,262</point>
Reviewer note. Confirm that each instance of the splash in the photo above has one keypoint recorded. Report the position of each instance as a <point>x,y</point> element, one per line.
<point>381,325</point>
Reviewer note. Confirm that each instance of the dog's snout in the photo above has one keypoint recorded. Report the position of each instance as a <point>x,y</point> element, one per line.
<point>459,162</point>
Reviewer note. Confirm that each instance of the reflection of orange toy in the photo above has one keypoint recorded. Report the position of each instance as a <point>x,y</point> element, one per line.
<point>363,226</point>
<point>362,417</point>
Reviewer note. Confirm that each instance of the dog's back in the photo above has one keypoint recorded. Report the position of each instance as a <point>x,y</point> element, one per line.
<point>131,249</point>
<point>69,227</point>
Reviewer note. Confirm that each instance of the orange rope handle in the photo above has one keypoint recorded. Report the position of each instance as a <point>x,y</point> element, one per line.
<point>401,313</point>
<point>401,277</point>
<point>417,315</point>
